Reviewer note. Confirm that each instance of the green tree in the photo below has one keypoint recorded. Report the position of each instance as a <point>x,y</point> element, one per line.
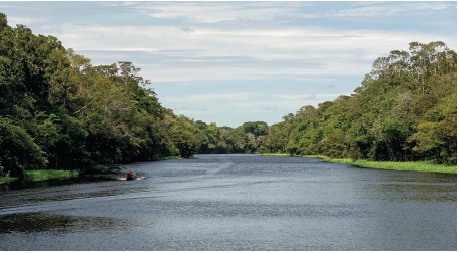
<point>19,151</point>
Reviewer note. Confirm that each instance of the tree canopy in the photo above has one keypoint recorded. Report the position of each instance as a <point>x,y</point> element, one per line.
<point>405,110</point>
<point>57,110</point>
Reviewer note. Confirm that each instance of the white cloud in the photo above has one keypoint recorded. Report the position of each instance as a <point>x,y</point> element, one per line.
<point>279,104</point>
<point>129,3</point>
<point>209,97</point>
<point>13,21</point>
<point>167,54</point>
<point>205,12</point>
<point>318,80</point>
<point>306,96</point>
<point>254,104</point>
<point>393,10</point>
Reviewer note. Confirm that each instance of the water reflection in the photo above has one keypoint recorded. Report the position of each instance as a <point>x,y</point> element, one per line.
<point>403,186</point>
<point>54,183</point>
<point>58,224</point>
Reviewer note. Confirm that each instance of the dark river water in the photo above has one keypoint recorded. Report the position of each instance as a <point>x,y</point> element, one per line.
<point>234,202</point>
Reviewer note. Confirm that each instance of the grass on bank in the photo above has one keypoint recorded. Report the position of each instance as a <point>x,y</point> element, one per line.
<point>41,175</point>
<point>426,166</point>
<point>412,166</point>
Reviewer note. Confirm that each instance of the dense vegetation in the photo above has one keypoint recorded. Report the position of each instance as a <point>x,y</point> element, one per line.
<point>405,110</point>
<point>60,112</point>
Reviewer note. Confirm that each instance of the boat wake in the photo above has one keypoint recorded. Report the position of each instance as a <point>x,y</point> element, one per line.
<point>137,178</point>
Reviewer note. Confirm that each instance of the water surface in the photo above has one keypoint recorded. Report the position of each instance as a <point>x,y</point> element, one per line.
<point>235,202</point>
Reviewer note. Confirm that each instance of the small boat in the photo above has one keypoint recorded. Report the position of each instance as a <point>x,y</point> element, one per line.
<point>130,175</point>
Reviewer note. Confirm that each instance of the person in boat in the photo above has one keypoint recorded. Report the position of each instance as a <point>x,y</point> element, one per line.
<point>130,175</point>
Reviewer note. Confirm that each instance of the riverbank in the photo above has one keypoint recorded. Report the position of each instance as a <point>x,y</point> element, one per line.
<point>31,176</point>
<point>426,166</point>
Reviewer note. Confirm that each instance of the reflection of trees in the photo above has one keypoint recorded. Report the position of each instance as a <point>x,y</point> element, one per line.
<point>414,186</point>
<point>111,174</point>
<point>43,222</point>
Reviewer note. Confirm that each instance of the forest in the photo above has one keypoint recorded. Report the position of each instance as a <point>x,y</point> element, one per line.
<point>60,112</point>
<point>404,110</point>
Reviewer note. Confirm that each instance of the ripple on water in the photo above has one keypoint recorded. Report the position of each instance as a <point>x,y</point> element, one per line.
<point>235,202</point>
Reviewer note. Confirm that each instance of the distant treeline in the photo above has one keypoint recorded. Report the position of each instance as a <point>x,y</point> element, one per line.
<point>58,111</point>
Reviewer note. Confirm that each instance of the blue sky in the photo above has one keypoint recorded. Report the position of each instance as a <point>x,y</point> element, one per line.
<point>232,62</point>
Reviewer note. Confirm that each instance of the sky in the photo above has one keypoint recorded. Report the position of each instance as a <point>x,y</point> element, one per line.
<point>232,62</point>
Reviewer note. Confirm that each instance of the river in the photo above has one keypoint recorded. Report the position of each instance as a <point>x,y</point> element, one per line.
<point>234,202</point>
